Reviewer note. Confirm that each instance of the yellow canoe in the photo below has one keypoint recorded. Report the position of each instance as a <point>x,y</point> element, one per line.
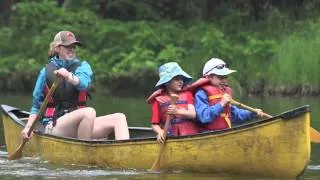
<point>275,147</point>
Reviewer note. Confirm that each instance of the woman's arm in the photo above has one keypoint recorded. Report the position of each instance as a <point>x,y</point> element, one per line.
<point>83,76</point>
<point>38,92</point>
<point>38,98</point>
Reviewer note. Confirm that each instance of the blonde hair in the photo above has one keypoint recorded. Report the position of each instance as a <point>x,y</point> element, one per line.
<point>51,51</point>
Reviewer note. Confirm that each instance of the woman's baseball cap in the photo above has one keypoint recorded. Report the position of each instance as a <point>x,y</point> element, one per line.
<point>65,38</point>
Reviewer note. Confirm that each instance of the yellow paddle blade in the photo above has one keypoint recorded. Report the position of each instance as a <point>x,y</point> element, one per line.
<point>18,153</point>
<point>314,135</point>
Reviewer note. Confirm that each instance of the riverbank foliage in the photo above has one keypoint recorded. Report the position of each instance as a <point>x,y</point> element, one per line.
<point>274,45</point>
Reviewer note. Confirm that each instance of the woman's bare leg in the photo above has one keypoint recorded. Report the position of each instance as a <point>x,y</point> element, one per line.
<point>104,125</point>
<point>76,124</point>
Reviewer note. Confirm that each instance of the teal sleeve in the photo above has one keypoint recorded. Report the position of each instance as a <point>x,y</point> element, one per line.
<point>84,73</point>
<point>38,92</point>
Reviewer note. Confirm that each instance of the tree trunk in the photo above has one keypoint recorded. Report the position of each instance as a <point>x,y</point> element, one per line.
<point>60,3</point>
<point>5,11</point>
<point>211,5</point>
<point>103,8</point>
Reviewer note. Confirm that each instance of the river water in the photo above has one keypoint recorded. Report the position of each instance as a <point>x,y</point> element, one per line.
<point>138,114</point>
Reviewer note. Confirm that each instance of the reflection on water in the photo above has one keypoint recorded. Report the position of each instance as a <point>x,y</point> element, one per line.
<point>138,114</point>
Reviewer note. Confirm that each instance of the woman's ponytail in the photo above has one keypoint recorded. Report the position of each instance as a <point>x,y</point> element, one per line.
<point>51,51</point>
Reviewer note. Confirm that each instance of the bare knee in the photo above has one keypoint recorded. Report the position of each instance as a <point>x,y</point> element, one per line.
<point>89,113</point>
<point>120,117</point>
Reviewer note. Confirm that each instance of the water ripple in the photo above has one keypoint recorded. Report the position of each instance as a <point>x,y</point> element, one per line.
<point>314,167</point>
<point>28,167</point>
<point>3,154</point>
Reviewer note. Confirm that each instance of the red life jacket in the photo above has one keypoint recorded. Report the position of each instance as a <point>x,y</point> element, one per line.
<point>164,101</point>
<point>214,96</point>
<point>195,85</point>
<point>66,97</point>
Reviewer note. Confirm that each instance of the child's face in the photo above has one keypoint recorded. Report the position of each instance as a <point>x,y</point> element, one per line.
<point>220,81</point>
<point>175,84</point>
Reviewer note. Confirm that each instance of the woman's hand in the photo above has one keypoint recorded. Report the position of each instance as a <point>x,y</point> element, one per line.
<point>160,137</point>
<point>62,72</point>
<point>24,133</point>
<point>69,76</point>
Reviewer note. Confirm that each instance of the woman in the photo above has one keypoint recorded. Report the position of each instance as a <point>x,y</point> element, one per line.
<point>66,114</point>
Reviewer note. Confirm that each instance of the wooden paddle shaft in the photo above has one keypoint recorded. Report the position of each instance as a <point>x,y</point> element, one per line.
<point>18,153</point>
<point>314,134</point>
<point>248,107</point>
<point>156,164</point>
<point>44,104</point>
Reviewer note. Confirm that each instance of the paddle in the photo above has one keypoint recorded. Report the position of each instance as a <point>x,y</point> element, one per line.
<point>247,107</point>
<point>314,134</point>
<point>18,153</point>
<point>156,164</point>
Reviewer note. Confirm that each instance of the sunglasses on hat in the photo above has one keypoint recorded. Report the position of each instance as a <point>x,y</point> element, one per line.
<point>220,66</point>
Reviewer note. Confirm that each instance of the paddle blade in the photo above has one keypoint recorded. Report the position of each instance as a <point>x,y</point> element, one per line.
<point>314,135</point>
<point>18,153</point>
<point>156,165</point>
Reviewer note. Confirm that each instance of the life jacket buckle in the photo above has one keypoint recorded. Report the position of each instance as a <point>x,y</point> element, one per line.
<point>49,127</point>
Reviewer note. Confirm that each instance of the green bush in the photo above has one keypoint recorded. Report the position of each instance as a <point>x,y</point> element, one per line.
<point>265,54</point>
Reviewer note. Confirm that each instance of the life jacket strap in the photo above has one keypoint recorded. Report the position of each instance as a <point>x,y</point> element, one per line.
<point>218,96</point>
<point>178,121</point>
<point>227,119</point>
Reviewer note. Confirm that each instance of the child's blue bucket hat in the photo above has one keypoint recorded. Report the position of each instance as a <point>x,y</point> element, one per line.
<point>170,70</point>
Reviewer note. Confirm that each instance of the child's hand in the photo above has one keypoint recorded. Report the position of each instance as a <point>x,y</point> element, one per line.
<point>226,98</point>
<point>261,114</point>
<point>160,137</point>
<point>172,109</point>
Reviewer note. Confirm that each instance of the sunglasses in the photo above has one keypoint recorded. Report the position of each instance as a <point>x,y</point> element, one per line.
<point>71,46</point>
<point>222,77</point>
<point>220,66</point>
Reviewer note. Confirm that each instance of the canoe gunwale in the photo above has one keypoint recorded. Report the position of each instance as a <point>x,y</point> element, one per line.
<point>288,115</point>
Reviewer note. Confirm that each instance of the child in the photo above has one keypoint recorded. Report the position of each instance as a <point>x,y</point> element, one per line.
<point>212,99</point>
<point>172,80</point>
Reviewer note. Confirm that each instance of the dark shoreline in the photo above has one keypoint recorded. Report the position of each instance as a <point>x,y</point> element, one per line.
<point>143,85</point>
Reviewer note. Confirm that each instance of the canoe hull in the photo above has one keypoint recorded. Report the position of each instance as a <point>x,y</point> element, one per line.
<point>275,148</point>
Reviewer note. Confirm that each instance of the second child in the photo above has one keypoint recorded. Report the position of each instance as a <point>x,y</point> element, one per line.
<point>172,80</point>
